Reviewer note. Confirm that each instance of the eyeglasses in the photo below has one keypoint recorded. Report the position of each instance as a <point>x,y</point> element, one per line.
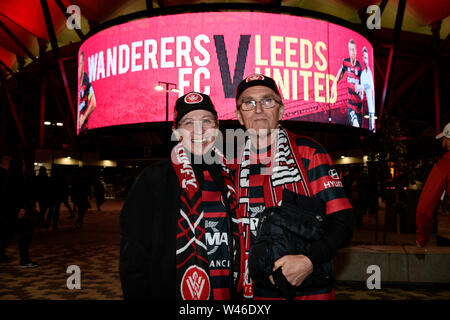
<point>205,123</point>
<point>265,103</point>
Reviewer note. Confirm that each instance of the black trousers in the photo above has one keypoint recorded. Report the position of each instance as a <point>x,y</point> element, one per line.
<point>44,205</point>
<point>25,233</point>
<point>6,232</point>
<point>82,209</point>
<point>66,203</point>
<point>100,200</point>
<point>53,213</point>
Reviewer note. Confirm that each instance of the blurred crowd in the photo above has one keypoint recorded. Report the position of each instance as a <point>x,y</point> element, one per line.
<point>32,199</point>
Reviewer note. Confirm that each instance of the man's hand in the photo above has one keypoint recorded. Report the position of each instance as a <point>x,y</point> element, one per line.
<point>295,268</point>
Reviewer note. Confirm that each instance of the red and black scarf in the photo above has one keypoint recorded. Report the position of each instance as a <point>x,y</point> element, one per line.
<point>193,280</point>
<point>285,172</point>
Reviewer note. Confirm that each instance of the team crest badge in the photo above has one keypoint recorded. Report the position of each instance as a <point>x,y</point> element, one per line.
<point>195,284</point>
<point>254,77</point>
<point>192,98</point>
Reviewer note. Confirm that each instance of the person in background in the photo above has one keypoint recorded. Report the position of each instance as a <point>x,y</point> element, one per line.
<point>65,194</point>
<point>368,87</point>
<point>351,69</point>
<point>99,191</point>
<point>86,97</point>
<point>80,195</point>
<point>43,194</point>
<point>437,183</point>
<point>59,192</point>
<point>20,204</point>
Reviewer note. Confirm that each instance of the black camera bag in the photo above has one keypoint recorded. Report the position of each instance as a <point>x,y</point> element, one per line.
<point>285,230</point>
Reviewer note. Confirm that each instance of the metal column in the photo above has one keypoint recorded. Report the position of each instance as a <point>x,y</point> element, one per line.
<point>54,43</point>
<point>392,56</point>
<point>436,27</point>
<point>42,114</point>
<point>12,107</point>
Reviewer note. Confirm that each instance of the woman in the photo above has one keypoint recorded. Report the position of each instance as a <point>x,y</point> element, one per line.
<point>177,232</point>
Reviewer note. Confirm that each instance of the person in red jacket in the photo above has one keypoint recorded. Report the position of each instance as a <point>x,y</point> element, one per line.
<point>437,183</point>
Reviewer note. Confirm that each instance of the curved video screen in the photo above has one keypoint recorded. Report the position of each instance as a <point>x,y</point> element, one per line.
<point>324,71</point>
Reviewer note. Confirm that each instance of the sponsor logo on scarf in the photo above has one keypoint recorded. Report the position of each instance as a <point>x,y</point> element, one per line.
<point>187,171</point>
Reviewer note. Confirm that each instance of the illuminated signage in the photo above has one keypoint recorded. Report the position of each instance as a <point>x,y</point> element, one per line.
<point>324,71</point>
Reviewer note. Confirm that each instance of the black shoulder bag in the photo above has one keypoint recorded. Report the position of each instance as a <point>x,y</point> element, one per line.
<point>285,230</point>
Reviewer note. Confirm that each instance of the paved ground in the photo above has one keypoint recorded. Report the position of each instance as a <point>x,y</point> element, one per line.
<point>95,250</point>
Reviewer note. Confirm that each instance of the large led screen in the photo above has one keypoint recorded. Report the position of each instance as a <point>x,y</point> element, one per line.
<point>324,71</point>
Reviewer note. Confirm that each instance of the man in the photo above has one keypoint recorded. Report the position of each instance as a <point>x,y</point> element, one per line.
<point>43,194</point>
<point>437,183</point>
<point>86,97</point>
<point>81,189</point>
<point>21,206</point>
<point>368,88</point>
<point>178,240</point>
<point>301,165</point>
<point>352,68</point>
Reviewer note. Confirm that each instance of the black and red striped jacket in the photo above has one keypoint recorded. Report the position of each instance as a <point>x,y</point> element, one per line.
<point>323,182</point>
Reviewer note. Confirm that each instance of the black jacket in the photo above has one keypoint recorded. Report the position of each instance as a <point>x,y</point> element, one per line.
<point>147,234</point>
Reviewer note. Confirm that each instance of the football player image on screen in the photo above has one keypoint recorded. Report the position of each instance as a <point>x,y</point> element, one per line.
<point>351,69</point>
<point>368,88</point>
<point>86,97</point>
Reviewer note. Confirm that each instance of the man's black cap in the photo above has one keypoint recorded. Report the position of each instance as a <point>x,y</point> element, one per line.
<point>256,79</point>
